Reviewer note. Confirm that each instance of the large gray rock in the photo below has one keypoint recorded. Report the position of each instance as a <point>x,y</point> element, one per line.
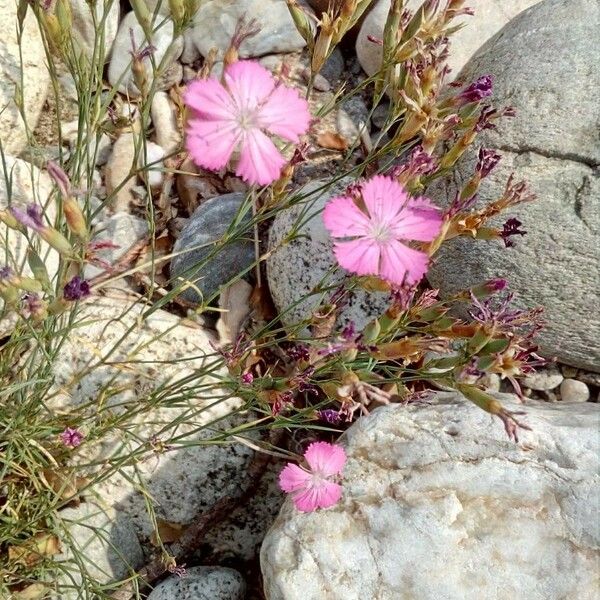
<point>554,144</point>
<point>216,21</point>
<point>202,583</point>
<point>35,81</point>
<point>157,379</point>
<point>302,269</point>
<point>490,16</point>
<point>200,260</point>
<point>99,546</point>
<point>438,503</point>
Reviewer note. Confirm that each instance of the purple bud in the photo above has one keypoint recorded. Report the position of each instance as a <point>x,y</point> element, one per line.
<point>6,273</point>
<point>477,91</point>
<point>487,161</point>
<point>349,332</point>
<point>60,178</point>
<point>71,437</point>
<point>247,378</point>
<point>30,217</point>
<point>76,289</point>
<point>329,415</point>
<point>496,285</point>
<point>510,228</point>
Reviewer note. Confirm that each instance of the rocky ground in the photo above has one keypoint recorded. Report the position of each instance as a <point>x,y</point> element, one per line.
<point>438,503</point>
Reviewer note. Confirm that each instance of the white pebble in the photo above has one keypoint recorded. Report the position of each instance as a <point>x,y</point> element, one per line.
<point>154,175</point>
<point>164,119</point>
<point>543,380</point>
<point>572,390</point>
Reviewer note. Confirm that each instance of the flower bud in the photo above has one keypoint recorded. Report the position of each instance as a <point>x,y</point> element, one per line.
<point>74,217</point>
<point>56,239</point>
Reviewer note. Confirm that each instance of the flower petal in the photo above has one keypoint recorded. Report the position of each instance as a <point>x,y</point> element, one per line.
<point>343,218</point>
<point>249,83</point>
<point>384,198</point>
<point>325,459</point>
<point>419,224</point>
<point>211,100</point>
<point>401,264</point>
<point>211,143</point>
<point>323,495</point>
<point>260,161</point>
<point>285,113</point>
<point>293,478</point>
<point>359,256</point>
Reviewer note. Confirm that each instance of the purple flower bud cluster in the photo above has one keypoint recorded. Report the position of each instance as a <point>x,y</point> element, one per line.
<point>487,161</point>
<point>76,289</point>
<point>477,91</point>
<point>510,228</point>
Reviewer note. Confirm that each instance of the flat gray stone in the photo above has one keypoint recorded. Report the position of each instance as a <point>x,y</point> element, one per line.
<point>554,145</point>
<point>200,260</point>
<point>202,583</point>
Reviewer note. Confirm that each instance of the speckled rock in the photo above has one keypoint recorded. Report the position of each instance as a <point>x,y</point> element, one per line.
<point>202,583</point>
<point>119,69</point>
<point>216,21</point>
<point>199,258</point>
<point>105,541</point>
<point>554,144</point>
<point>438,503</point>
<point>36,79</point>
<point>302,271</point>
<point>151,359</point>
<point>490,16</point>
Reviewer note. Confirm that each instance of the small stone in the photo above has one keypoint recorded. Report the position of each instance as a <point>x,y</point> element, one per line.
<point>320,83</point>
<point>299,269</point>
<point>216,21</point>
<point>171,77</point>
<point>190,53</point>
<point>199,242</point>
<point>117,171</point>
<point>153,165</point>
<point>569,371</point>
<point>164,119</point>
<point>119,69</point>
<point>572,390</point>
<point>86,27</point>
<point>543,379</point>
<point>589,377</point>
<point>105,541</point>
<point>380,115</point>
<point>334,67</point>
<point>491,382</point>
<point>202,583</point>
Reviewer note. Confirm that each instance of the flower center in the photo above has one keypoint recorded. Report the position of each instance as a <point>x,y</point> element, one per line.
<point>380,232</point>
<point>247,120</point>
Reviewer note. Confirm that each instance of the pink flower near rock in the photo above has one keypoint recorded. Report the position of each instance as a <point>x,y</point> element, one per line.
<point>314,487</point>
<point>373,229</point>
<point>237,115</point>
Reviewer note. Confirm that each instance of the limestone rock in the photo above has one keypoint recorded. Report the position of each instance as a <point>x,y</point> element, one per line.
<point>490,16</point>
<point>438,503</point>
<point>554,145</point>
<point>302,272</point>
<point>86,29</point>
<point>572,390</point>
<point>36,79</point>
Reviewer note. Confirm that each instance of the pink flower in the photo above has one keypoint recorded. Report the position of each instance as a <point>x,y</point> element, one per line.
<point>71,437</point>
<point>372,234</point>
<point>235,116</point>
<point>313,488</point>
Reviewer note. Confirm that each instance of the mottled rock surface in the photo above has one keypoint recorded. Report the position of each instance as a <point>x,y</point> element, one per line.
<point>202,583</point>
<point>302,269</point>
<point>490,16</point>
<point>554,144</point>
<point>438,503</point>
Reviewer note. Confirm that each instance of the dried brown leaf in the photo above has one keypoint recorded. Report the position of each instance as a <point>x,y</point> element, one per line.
<point>234,301</point>
<point>168,532</point>
<point>31,592</point>
<point>35,549</point>
<point>332,141</point>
